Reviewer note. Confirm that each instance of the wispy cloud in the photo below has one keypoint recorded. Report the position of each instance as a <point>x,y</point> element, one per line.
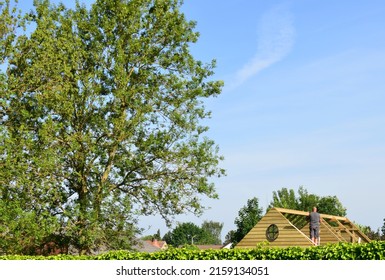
<point>276,34</point>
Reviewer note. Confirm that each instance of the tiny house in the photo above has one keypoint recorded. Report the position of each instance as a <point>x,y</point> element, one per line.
<point>286,227</point>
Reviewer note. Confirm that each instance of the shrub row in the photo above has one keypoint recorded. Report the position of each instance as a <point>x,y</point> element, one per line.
<point>342,251</point>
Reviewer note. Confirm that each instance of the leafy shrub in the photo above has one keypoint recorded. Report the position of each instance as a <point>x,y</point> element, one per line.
<point>374,250</point>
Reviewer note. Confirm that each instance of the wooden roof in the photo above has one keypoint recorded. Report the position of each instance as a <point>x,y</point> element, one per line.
<point>292,229</point>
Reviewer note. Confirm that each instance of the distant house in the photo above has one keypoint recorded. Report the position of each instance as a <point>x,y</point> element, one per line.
<point>158,243</point>
<point>286,227</point>
<point>150,246</point>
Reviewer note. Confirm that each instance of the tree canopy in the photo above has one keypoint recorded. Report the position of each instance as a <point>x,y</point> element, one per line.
<point>248,216</point>
<point>286,198</point>
<point>378,234</point>
<point>189,233</point>
<point>213,232</point>
<point>101,113</point>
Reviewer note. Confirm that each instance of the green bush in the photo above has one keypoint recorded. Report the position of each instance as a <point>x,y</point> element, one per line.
<point>374,250</point>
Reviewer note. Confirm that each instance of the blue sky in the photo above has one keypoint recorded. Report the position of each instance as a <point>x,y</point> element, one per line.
<point>302,103</point>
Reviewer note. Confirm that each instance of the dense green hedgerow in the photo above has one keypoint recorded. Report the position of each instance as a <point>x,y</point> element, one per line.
<point>343,251</point>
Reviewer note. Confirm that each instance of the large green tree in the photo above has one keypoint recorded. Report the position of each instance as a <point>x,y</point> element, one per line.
<point>248,216</point>
<point>213,232</point>
<point>189,233</point>
<point>304,201</point>
<point>101,113</point>
<point>184,233</point>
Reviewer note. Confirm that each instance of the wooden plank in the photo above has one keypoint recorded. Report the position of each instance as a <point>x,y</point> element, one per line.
<point>303,213</point>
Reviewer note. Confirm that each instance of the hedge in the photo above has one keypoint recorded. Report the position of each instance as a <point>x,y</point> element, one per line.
<point>374,250</point>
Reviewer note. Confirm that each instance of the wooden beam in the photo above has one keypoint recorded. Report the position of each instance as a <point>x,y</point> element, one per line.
<point>303,213</point>
<point>332,230</point>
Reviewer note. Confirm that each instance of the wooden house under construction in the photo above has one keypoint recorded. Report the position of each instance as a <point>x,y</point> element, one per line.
<point>285,227</point>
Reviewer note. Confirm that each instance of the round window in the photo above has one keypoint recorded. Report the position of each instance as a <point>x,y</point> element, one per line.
<point>272,232</point>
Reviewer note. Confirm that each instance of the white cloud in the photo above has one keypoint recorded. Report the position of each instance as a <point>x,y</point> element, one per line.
<point>275,40</point>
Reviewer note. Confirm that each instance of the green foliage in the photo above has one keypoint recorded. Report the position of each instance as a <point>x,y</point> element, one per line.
<point>189,233</point>
<point>100,121</point>
<point>331,205</point>
<point>373,235</point>
<point>184,233</point>
<point>248,217</point>
<point>157,235</point>
<point>8,25</point>
<point>286,198</point>
<point>211,232</point>
<point>57,257</point>
<point>343,251</point>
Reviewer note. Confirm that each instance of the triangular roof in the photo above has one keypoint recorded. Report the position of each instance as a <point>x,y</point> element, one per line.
<point>282,227</point>
<point>157,243</point>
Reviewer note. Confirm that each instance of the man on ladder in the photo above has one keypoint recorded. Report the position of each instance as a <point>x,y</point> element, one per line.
<point>315,221</point>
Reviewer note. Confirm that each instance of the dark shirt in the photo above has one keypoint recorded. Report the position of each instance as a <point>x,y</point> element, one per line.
<point>314,219</point>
